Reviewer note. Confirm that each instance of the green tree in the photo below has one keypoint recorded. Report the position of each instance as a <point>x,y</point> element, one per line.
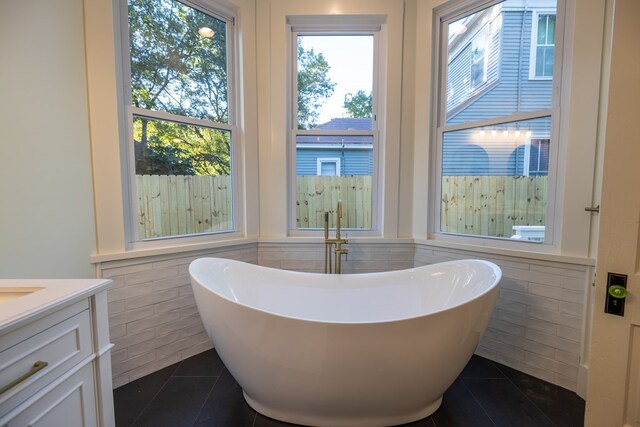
<point>176,70</point>
<point>359,105</point>
<point>314,85</point>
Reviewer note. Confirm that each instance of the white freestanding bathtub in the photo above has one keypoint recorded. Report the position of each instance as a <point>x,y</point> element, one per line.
<point>373,349</point>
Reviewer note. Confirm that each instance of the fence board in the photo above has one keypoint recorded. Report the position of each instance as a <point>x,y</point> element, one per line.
<point>502,223</point>
<point>484,208</point>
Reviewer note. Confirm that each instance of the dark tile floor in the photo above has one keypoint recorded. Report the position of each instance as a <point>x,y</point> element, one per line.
<point>200,391</point>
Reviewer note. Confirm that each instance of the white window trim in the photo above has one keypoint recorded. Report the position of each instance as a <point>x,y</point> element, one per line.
<point>443,14</point>
<point>321,160</point>
<point>130,202</point>
<point>534,42</point>
<point>336,25</point>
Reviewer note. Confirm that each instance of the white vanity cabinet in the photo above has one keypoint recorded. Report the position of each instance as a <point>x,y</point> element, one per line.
<point>55,363</point>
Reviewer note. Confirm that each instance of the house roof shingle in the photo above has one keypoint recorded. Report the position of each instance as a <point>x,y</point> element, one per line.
<point>339,123</point>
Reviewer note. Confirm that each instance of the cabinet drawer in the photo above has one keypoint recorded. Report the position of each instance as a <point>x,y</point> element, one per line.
<point>61,346</point>
<point>70,402</point>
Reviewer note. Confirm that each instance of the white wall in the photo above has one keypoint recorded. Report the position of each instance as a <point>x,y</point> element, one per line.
<point>46,201</point>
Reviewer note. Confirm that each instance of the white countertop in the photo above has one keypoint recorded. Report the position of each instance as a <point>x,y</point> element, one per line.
<point>53,294</point>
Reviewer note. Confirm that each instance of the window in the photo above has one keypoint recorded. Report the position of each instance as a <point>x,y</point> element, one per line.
<point>334,129</point>
<point>538,157</point>
<point>492,151</point>
<point>479,59</point>
<point>542,44</point>
<point>328,167</point>
<point>180,112</point>
<point>474,52</point>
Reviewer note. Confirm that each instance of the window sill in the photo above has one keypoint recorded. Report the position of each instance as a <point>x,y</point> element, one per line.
<point>172,248</point>
<point>532,251</point>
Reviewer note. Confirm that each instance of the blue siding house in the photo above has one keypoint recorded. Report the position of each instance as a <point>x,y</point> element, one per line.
<point>500,63</point>
<point>336,155</point>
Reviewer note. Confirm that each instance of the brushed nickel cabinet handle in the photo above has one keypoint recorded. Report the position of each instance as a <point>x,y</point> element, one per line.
<point>593,210</point>
<point>39,365</point>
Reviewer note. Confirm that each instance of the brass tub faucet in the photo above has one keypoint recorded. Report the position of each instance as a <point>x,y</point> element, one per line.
<point>338,241</point>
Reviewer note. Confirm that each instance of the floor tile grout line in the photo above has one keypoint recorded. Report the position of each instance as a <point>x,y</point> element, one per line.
<point>195,376</point>
<point>156,394</point>
<point>525,395</point>
<point>473,396</point>
<point>206,399</point>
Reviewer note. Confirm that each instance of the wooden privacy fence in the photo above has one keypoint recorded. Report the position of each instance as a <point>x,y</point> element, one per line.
<point>492,205</point>
<point>316,195</point>
<point>170,205</point>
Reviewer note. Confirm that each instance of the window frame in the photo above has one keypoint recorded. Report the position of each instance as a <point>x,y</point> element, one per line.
<point>133,241</point>
<point>442,16</point>
<point>534,42</point>
<point>327,26</point>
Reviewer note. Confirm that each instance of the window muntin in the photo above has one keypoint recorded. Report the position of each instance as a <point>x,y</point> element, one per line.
<point>494,150</point>
<point>334,117</point>
<point>542,44</point>
<point>180,115</point>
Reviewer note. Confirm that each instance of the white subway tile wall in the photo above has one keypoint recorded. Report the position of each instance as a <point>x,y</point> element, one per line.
<point>536,327</point>
<point>362,257</point>
<point>153,319</point>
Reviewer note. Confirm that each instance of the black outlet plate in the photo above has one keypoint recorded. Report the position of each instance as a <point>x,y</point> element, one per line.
<point>615,305</point>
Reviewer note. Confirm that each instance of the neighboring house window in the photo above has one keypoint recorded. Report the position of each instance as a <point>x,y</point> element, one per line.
<point>538,157</point>
<point>479,59</point>
<point>180,112</point>
<point>474,58</point>
<point>328,167</point>
<point>333,124</point>
<point>542,44</point>
<point>491,158</point>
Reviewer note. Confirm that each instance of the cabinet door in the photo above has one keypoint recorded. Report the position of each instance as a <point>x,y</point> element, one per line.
<point>69,403</point>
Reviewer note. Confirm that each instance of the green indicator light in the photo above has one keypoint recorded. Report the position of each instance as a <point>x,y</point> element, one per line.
<point>618,291</point>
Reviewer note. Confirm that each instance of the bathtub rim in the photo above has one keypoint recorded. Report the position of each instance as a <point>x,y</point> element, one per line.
<point>494,287</point>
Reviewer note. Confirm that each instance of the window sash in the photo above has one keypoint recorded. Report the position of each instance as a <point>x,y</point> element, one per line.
<point>317,28</point>
<point>130,112</point>
<point>444,15</point>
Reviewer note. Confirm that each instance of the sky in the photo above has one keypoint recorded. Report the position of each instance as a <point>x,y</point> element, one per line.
<point>351,62</point>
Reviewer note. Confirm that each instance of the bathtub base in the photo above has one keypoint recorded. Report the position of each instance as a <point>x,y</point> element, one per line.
<point>327,420</point>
